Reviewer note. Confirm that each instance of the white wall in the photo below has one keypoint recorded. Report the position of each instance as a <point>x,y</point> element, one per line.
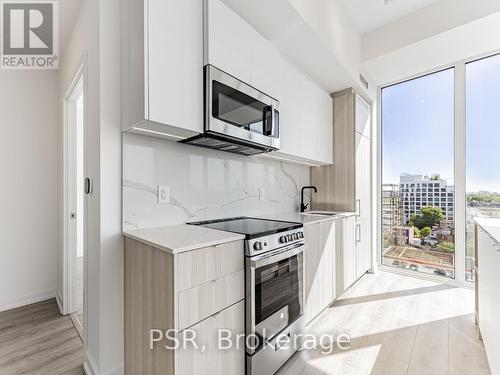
<point>438,18</point>
<point>83,44</point>
<point>95,39</point>
<point>204,184</point>
<point>28,191</point>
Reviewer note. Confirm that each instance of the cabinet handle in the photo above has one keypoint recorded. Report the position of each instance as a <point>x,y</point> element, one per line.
<point>88,186</point>
<point>358,233</point>
<point>358,207</point>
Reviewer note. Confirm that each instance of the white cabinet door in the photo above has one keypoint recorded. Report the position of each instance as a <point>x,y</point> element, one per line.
<point>363,117</point>
<point>213,360</point>
<point>349,268</point>
<point>363,177</point>
<point>229,41</point>
<point>489,303</point>
<point>175,61</point>
<point>319,268</point>
<point>363,253</point>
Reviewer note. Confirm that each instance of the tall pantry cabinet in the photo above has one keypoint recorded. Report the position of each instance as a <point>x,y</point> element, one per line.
<point>346,185</point>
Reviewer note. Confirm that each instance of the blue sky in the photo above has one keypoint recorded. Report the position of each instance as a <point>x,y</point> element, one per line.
<point>418,126</point>
<point>483,125</point>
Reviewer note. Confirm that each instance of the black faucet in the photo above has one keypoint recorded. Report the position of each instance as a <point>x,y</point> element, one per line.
<point>302,205</point>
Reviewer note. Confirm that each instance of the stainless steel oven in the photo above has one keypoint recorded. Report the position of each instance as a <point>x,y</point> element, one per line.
<point>274,307</point>
<point>238,117</point>
<point>274,288</point>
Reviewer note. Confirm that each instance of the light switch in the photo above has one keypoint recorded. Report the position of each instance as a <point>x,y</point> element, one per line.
<point>163,194</point>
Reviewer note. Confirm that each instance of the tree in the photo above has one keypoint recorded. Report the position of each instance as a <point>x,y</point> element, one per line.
<point>449,247</point>
<point>429,216</point>
<point>416,232</point>
<point>425,231</point>
<point>435,177</point>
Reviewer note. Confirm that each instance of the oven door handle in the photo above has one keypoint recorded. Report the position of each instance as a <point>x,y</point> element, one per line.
<point>276,258</point>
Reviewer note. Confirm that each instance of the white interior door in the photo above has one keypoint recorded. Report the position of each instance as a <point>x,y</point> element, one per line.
<point>74,211</point>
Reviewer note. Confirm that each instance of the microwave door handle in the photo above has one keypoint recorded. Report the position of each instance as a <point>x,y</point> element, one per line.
<point>268,120</point>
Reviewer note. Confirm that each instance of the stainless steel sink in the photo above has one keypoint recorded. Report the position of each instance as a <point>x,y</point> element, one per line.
<point>322,213</point>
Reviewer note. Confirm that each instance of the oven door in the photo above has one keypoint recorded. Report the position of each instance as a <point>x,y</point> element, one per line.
<point>238,110</point>
<point>275,292</point>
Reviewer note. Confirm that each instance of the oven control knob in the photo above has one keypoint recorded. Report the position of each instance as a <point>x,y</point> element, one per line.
<point>301,235</point>
<point>257,246</point>
<point>289,237</point>
<point>282,239</point>
<point>295,236</point>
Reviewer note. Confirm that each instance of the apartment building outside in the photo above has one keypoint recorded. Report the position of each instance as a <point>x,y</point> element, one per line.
<point>421,191</point>
<point>392,210</point>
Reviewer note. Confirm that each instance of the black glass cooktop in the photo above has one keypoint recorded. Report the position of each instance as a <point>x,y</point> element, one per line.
<point>251,227</point>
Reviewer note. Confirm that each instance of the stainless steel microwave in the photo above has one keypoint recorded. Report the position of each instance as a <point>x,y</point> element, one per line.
<point>238,117</point>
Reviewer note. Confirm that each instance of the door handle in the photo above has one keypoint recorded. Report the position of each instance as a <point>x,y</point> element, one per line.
<point>88,186</point>
<point>358,233</point>
<point>358,207</point>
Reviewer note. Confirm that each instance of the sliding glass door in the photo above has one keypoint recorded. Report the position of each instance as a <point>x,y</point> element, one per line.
<point>418,170</point>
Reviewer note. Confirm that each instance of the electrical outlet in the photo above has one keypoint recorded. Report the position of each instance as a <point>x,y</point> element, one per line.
<point>163,194</point>
<point>262,194</point>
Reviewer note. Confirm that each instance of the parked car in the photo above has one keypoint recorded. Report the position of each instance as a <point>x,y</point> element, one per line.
<point>413,267</point>
<point>396,263</point>
<point>439,272</point>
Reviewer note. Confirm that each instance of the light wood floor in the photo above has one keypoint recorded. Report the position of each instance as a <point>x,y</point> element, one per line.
<point>398,325</point>
<point>37,340</point>
<point>79,290</point>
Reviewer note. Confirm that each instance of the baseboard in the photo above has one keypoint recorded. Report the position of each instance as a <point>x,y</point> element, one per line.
<point>118,370</point>
<point>90,367</point>
<point>27,299</point>
<point>59,302</point>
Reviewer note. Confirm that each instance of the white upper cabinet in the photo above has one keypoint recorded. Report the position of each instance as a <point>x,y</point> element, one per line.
<point>228,41</point>
<point>232,45</point>
<point>162,67</point>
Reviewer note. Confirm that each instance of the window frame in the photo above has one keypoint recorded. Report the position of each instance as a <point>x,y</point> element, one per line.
<point>460,169</point>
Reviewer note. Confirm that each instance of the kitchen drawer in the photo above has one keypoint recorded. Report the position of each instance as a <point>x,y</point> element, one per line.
<point>210,263</point>
<point>213,360</point>
<point>202,301</point>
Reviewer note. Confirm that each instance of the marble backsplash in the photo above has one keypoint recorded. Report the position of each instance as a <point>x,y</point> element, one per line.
<point>204,184</point>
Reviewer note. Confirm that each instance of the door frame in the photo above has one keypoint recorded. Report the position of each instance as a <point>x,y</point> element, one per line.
<point>69,257</point>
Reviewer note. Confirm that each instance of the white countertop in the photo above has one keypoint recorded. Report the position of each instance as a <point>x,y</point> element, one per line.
<point>490,226</point>
<point>179,238</point>
<point>305,218</point>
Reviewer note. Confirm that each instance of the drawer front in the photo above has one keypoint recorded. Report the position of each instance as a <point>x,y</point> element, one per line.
<point>208,264</point>
<point>213,361</point>
<point>202,301</point>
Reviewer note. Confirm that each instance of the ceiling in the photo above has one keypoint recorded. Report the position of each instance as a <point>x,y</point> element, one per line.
<point>369,15</point>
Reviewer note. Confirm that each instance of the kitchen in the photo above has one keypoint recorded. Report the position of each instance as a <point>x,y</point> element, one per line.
<point>250,259</point>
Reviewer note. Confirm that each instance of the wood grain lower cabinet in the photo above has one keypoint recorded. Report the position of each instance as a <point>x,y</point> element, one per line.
<point>212,360</point>
<point>154,300</point>
<point>319,259</point>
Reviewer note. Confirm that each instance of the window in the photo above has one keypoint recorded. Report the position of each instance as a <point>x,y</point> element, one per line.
<point>409,109</point>
<point>483,139</point>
